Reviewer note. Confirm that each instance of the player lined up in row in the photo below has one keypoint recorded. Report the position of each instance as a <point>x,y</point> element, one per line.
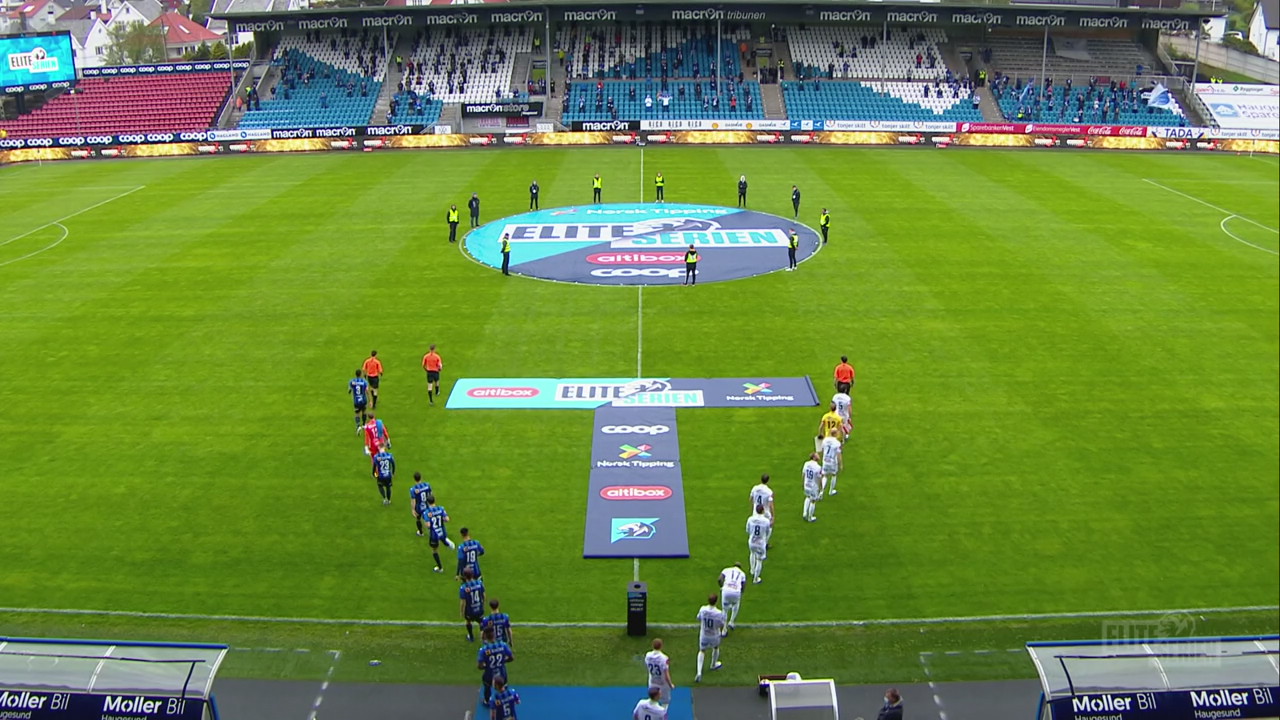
<point>431,520</point>
<point>453,215</point>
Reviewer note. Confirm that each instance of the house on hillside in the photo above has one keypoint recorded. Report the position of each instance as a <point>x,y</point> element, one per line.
<point>90,25</point>
<point>182,34</point>
<point>1264,28</point>
<point>33,16</point>
<point>238,6</point>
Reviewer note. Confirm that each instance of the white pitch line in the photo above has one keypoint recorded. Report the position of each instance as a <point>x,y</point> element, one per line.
<point>639,330</point>
<point>1210,205</point>
<point>50,246</point>
<point>874,622</point>
<point>68,217</point>
<point>1233,236</point>
<point>324,686</point>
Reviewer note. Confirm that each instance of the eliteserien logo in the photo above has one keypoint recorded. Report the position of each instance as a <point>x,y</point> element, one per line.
<point>844,16</point>
<point>635,429</point>
<point>36,61</point>
<point>632,529</point>
<point>574,392</point>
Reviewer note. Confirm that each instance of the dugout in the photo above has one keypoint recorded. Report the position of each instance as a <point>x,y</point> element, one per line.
<point>1159,679</point>
<point>43,679</point>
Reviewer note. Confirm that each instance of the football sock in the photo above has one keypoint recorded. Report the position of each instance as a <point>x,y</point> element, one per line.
<point>807,503</point>
<point>449,543</point>
<point>419,521</point>
<point>701,656</point>
<point>436,555</point>
<point>715,657</point>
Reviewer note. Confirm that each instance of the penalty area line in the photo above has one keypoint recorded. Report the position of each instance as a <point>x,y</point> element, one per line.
<point>872,622</point>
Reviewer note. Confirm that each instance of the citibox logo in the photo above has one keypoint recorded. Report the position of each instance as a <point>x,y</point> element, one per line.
<point>494,393</point>
<point>636,492</point>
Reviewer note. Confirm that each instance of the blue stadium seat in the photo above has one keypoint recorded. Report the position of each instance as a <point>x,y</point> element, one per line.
<point>682,107</point>
<point>895,101</point>
<point>322,102</point>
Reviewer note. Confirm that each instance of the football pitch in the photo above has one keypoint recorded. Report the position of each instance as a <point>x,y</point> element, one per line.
<point>1066,408</point>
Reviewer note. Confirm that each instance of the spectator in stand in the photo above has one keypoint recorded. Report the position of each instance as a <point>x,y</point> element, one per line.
<point>324,100</point>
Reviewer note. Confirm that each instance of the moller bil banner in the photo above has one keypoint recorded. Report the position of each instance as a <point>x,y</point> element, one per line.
<point>635,501</point>
<point>31,705</point>
<point>1247,702</point>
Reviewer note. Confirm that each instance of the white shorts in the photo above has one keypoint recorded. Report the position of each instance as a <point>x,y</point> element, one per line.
<point>830,471</point>
<point>729,599</point>
<point>707,643</point>
<point>757,550</point>
<point>815,494</point>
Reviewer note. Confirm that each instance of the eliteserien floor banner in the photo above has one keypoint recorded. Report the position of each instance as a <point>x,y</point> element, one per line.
<point>589,393</point>
<point>635,505</point>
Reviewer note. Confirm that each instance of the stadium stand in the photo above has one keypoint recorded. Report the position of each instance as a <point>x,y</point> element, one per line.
<point>862,52</point>
<point>643,100</point>
<point>888,100</point>
<point>1020,56</point>
<point>163,103</point>
<point>639,50</point>
<point>325,80</point>
<point>1109,103</point>
<point>456,65</point>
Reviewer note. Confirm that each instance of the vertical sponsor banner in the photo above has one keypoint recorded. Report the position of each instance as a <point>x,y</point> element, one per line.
<point>635,506</point>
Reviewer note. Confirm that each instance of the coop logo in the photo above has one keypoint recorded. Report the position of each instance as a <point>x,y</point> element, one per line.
<point>388,21</point>
<point>1166,24</point>
<point>632,529</point>
<point>635,429</point>
<point>631,451</point>
<point>494,393</point>
<point>516,17</point>
<point>36,61</point>
<point>844,16</point>
<point>590,15</point>
<point>636,492</point>
<point>459,18</point>
<point>753,388</point>
<point>640,244</point>
<point>1104,22</point>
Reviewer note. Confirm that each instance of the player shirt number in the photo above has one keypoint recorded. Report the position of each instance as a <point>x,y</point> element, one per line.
<point>495,662</point>
<point>436,522</point>
<point>471,556</point>
<point>756,531</point>
<point>655,669</point>
<point>709,623</point>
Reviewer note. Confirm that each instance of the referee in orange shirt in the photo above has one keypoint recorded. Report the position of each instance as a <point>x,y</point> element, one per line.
<point>373,372</point>
<point>844,376</point>
<point>432,363</point>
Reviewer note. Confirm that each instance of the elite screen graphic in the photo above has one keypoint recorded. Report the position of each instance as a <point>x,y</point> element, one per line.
<point>36,61</point>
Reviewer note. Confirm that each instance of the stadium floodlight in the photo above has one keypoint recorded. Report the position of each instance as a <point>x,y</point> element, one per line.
<point>1159,678</point>
<point>803,700</point>
<point>41,678</point>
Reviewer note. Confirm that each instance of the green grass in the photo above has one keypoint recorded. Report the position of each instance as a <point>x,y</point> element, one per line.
<point>1067,400</point>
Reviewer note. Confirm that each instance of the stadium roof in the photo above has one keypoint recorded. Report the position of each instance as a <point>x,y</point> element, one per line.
<point>1102,666</point>
<point>100,666</point>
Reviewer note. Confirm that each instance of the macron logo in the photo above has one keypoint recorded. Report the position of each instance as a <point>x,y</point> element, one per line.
<point>502,392</point>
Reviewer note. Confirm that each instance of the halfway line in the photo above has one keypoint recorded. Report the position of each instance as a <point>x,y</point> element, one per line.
<point>963,619</point>
<point>1210,205</point>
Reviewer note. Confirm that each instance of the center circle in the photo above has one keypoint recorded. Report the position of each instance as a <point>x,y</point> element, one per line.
<point>640,244</point>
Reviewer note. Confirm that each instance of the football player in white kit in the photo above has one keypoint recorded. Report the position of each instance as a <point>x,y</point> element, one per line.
<point>710,630</point>
<point>832,461</point>
<point>844,408</point>
<point>762,494</point>
<point>732,580</point>
<point>814,483</point>
<point>658,665</point>
<point>649,708</point>
<point>758,542</point>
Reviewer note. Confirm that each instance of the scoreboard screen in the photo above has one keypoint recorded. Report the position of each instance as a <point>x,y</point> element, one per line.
<point>36,61</point>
